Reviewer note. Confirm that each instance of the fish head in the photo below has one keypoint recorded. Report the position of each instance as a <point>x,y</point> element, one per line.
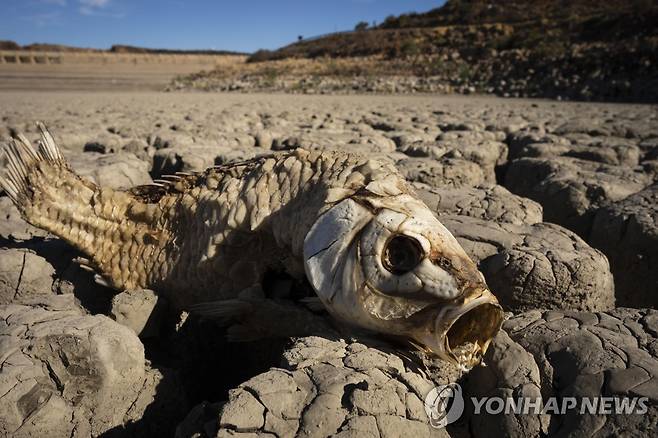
<point>387,264</point>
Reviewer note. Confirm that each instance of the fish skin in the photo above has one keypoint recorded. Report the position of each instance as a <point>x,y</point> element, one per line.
<point>201,237</point>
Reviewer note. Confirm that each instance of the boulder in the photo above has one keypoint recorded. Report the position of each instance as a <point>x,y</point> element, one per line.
<point>140,310</point>
<point>446,172</point>
<point>627,232</point>
<point>168,161</point>
<point>606,150</point>
<point>24,276</point>
<point>488,154</point>
<point>596,356</point>
<point>570,189</point>
<point>12,225</point>
<point>197,158</point>
<point>117,171</point>
<point>488,202</point>
<point>69,374</point>
<point>536,266</point>
<point>510,372</point>
<point>333,387</point>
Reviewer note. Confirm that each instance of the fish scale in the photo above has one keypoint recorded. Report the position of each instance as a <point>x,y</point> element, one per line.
<point>184,231</point>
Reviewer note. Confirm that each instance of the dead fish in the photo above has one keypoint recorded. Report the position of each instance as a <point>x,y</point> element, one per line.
<point>373,252</point>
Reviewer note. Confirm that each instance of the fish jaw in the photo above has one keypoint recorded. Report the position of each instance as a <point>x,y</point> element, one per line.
<point>461,332</point>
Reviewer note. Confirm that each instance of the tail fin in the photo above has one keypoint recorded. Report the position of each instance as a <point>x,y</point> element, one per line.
<point>22,158</point>
<point>51,196</point>
<point>42,185</point>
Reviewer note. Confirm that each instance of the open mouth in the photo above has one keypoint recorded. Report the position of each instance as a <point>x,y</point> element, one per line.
<point>469,335</point>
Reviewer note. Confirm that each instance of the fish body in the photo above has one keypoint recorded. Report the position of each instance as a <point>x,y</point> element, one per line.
<point>373,252</point>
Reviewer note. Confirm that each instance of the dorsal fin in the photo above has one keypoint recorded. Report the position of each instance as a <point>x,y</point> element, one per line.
<point>183,181</point>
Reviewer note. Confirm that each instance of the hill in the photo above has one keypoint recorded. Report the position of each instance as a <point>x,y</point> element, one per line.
<point>579,49</point>
<point>467,24</point>
<point>456,12</point>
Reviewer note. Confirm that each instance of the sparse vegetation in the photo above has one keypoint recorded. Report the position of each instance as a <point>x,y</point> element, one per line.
<point>409,48</point>
<point>261,55</point>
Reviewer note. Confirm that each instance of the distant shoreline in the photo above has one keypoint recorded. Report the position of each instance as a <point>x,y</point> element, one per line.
<point>117,48</point>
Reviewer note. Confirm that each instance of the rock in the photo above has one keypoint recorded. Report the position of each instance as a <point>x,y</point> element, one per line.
<point>50,267</point>
<point>351,389</point>
<point>140,310</point>
<point>536,266</point>
<point>487,154</point>
<point>24,276</point>
<point>235,155</point>
<point>510,372</point>
<point>606,150</point>
<point>168,161</point>
<point>163,139</point>
<point>582,354</point>
<point>116,171</point>
<point>242,412</point>
<point>140,149</point>
<point>522,143</point>
<point>200,422</point>
<point>197,158</point>
<point>286,144</point>
<point>264,139</point>
<point>627,232</point>
<point>494,203</point>
<point>12,225</point>
<point>405,137</point>
<point>372,143</point>
<point>67,372</point>
<point>236,140</point>
<point>538,355</point>
<point>582,125</point>
<point>102,145</point>
<point>358,386</point>
<point>571,190</point>
<point>447,172</point>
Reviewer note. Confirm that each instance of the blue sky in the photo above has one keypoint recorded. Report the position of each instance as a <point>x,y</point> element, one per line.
<point>243,25</point>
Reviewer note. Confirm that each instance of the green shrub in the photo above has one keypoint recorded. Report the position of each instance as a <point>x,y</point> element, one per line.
<point>409,48</point>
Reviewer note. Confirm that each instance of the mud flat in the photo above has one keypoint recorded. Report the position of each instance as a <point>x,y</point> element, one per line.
<point>555,201</point>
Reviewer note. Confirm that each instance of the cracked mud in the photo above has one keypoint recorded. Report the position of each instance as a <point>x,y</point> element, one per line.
<point>556,202</point>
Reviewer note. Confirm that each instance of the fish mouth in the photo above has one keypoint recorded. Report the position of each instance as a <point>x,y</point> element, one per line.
<point>462,332</point>
<point>471,332</point>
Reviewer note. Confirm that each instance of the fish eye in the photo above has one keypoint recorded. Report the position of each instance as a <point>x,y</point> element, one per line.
<point>402,254</point>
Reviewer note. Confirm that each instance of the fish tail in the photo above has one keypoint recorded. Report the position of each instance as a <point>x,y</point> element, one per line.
<point>40,182</point>
<point>49,195</point>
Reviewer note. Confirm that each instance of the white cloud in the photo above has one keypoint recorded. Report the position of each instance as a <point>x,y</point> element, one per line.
<point>91,7</point>
<point>94,3</point>
<point>54,2</point>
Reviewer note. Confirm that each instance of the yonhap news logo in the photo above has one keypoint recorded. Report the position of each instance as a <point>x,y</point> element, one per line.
<point>445,404</point>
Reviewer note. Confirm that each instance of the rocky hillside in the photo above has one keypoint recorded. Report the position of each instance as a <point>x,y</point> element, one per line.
<point>465,25</point>
<point>581,49</point>
<point>456,12</point>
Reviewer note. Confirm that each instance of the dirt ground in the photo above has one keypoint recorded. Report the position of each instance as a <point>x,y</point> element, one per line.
<point>556,203</point>
<point>99,71</point>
